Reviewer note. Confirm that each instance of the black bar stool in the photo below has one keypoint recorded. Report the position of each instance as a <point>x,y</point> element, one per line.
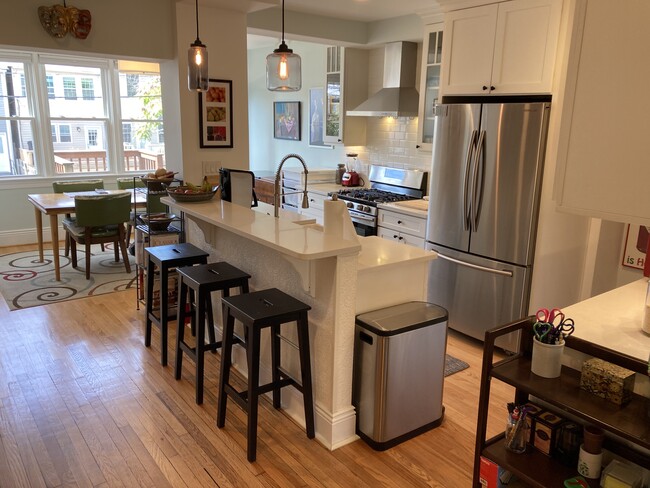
<point>200,281</point>
<point>166,258</point>
<point>258,310</point>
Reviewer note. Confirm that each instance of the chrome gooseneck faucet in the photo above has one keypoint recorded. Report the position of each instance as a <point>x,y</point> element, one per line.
<point>277,194</point>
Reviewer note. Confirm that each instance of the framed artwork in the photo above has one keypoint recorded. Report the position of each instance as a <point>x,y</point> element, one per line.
<point>636,242</point>
<point>215,114</point>
<point>316,110</point>
<point>286,120</point>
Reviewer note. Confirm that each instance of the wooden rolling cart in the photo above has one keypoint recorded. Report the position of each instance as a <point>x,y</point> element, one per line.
<point>624,426</point>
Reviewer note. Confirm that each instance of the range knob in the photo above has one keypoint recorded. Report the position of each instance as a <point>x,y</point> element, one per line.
<point>349,205</point>
<point>366,209</point>
<point>359,207</point>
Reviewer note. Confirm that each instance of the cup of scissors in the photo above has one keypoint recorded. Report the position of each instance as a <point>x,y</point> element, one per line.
<point>550,328</point>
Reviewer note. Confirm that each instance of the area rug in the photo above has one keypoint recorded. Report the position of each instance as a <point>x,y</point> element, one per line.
<point>25,282</point>
<point>453,365</point>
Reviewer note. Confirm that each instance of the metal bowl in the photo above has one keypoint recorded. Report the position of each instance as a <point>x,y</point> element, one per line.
<point>158,221</point>
<point>177,193</point>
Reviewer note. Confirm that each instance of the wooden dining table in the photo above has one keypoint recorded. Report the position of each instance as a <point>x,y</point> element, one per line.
<point>54,204</point>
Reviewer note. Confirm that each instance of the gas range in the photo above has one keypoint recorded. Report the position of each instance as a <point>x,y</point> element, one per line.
<point>386,185</point>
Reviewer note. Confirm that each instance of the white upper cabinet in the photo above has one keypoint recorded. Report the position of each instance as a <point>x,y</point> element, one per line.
<point>603,164</point>
<point>429,83</point>
<point>346,86</point>
<point>501,49</point>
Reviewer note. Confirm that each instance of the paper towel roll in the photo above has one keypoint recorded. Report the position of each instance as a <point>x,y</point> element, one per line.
<point>333,213</point>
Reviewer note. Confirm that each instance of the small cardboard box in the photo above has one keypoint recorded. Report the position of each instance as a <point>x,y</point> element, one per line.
<point>547,426</point>
<point>491,475</point>
<point>608,381</point>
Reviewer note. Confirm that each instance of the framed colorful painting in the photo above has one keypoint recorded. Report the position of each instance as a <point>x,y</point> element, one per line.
<point>286,120</point>
<point>215,114</point>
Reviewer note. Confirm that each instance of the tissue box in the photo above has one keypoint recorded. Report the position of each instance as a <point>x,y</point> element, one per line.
<point>608,381</point>
<point>547,426</point>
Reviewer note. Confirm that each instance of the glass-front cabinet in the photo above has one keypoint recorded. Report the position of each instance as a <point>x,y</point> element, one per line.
<point>333,119</point>
<point>429,84</point>
<point>346,86</point>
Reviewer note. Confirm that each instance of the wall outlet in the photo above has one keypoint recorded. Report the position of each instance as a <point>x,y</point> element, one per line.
<point>211,168</point>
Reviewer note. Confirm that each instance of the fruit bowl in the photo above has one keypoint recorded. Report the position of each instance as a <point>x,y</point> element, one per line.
<point>156,184</point>
<point>185,194</point>
<point>157,221</point>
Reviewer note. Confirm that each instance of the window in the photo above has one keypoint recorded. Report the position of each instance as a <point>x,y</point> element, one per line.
<point>92,137</point>
<point>141,104</point>
<point>69,88</point>
<point>49,82</point>
<point>126,134</point>
<point>64,133</point>
<point>17,123</point>
<point>78,126</point>
<point>87,89</point>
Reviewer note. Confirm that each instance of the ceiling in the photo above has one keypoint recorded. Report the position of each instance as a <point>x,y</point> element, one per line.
<point>361,10</point>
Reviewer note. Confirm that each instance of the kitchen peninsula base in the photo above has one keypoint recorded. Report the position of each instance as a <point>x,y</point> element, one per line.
<point>323,272</point>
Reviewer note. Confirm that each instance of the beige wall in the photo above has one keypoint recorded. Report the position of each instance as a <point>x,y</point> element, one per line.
<point>144,29</point>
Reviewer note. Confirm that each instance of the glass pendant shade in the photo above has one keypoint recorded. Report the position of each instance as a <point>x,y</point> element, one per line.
<point>197,67</point>
<point>283,72</point>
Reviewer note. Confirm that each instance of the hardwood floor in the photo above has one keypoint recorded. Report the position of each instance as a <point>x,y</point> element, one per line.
<point>84,403</point>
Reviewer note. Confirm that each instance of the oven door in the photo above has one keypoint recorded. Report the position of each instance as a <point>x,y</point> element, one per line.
<point>364,224</point>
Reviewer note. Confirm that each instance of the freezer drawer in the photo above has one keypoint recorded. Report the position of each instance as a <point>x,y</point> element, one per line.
<point>399,362</point>
<point>479,293</point>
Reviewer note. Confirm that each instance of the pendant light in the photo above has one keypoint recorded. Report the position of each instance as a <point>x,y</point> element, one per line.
<point>283,67</point>
<point>197,61</point>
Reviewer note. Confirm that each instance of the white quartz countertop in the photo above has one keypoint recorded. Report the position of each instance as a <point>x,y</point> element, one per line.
<point>259,225</point>
<point>417,208</point>
<point>324,188</point>
<point>377,252</point>
<point>613,319</point>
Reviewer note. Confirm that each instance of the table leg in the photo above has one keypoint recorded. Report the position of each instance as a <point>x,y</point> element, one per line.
<point>54,228</point>
<point>39,233</point>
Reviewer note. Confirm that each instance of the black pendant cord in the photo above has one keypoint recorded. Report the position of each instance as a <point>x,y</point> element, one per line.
<point>282,21</point>
<point>196,9</point>
<point>64,4</point>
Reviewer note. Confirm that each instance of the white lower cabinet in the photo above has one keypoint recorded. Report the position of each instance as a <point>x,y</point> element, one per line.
<point>403,228</point>
<point>316,205</point>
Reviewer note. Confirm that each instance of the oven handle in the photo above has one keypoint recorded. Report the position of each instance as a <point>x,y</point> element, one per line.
<point>361,216</point>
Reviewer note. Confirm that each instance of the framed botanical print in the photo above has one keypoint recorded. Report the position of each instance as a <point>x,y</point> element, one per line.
<point>215,114</point>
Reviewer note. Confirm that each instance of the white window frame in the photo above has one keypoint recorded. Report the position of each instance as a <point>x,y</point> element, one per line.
<point>39,98</point>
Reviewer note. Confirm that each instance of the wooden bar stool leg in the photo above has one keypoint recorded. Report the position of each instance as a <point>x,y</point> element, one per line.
<point>163,315</point>
<point>180,328</point>
<point>275,364</point>
<point>192,306</point>
<point>253,391</point>
<point>200,348</point>
<point>226,354</point>
<point>305,371</point>
<point>150,272</point>
<point>210,323</point>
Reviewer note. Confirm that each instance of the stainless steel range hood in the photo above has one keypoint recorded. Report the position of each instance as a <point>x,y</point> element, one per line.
<point>398,97</point>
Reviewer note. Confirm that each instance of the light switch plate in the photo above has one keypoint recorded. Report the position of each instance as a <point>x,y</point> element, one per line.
<point>211,168</point>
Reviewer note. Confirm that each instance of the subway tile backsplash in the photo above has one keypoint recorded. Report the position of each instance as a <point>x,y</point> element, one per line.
<point>391,142</point>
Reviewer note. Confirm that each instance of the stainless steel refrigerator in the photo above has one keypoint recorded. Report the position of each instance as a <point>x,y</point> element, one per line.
<point>483,207</point>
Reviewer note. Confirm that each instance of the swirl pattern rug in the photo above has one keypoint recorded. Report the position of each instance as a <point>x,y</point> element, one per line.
<point>25,282</point>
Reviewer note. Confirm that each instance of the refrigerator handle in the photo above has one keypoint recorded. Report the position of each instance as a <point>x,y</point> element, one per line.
<point>501,272</point>
<point>477,186</point>
<point>468,165</point>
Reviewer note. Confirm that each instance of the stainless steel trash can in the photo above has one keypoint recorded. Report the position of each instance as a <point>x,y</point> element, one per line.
<point>398,372</point>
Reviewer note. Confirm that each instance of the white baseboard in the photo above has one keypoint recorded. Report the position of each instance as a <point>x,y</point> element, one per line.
<point>24,236</point>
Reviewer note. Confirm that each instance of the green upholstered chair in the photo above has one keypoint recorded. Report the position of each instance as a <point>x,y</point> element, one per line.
<point>130,184</point>
<point>73,186</point>
<point>99,219</point>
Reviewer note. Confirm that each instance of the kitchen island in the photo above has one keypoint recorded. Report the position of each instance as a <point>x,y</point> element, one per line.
<point>338,274</point>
